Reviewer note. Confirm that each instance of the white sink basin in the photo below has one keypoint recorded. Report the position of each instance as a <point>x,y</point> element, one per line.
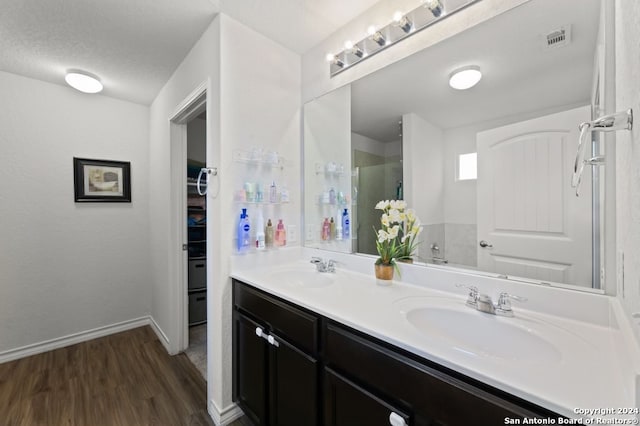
<point>482,335</point>
<point>306,277</point>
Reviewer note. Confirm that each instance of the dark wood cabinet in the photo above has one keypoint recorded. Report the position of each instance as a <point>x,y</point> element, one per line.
<point>347,404</point>
<point>294,367</point>
<point>276,373</point>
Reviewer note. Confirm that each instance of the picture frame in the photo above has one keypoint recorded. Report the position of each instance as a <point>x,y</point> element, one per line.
<point>103,181</point>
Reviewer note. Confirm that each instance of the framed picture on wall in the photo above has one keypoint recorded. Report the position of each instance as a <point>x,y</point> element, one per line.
<point>101,180</point>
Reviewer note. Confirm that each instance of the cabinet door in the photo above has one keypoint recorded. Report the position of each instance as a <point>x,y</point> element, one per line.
<point>250,369</point>
<point>294,386</point>
<point>347,404</point>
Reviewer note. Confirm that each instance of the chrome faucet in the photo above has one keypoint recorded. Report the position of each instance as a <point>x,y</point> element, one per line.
<point>324,265</point>
<point>483,303</point>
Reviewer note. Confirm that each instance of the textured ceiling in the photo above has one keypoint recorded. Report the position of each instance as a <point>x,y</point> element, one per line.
<point>135,45</point>
<point>132,45</point>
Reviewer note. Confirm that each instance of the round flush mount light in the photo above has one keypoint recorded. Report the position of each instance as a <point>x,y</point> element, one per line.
<point>83,81</point>
<point>465,78</point>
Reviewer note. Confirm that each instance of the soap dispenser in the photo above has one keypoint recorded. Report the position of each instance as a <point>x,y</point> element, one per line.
<point>260,234</point>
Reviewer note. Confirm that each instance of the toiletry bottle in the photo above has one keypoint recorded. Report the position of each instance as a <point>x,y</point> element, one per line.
<point>346,231</point>
<point>281,234</point>
<point>332,231</point>
<point>332,196</point>
<point>260,235</point>
<point>284,194</point>
<point>268,234</point>
<point>259,193</point>
<point>326,230</point>
<point>273,193</point>
<point>244,229</point>
<point>338,231</point>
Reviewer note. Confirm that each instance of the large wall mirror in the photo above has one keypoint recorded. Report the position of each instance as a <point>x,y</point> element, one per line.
<point>487,169</point>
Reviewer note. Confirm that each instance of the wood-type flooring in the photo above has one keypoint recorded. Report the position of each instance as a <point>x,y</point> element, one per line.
<point>124,379</point>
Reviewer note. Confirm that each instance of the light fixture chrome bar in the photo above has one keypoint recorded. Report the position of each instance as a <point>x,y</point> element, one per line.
<point>403,25</point>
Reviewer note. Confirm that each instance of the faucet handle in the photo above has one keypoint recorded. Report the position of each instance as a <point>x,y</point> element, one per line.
<point>504,303</point>
<point>472,300</point>
<point>316,260</point>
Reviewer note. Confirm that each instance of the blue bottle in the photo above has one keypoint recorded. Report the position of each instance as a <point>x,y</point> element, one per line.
<point>244,235</point>
<point>346,225</point>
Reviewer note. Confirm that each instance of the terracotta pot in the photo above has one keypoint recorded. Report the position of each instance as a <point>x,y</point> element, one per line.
<point>384,274</point>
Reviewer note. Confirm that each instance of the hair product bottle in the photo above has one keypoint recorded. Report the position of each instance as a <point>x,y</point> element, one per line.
<point>281,234</point>
<point>268,234</point>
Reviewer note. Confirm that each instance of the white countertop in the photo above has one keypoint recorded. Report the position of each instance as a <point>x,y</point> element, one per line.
<point>588,374</point>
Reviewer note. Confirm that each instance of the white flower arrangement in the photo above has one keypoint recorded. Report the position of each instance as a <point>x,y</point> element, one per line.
<point>397,238</point>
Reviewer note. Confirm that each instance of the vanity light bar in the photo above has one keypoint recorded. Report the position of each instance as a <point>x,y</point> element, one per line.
<point>402,25</point>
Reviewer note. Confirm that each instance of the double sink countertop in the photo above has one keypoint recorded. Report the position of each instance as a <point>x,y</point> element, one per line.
<point>566,364</point>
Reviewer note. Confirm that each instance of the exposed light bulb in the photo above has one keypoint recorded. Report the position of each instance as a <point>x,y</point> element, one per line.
<point>371,30</point>
<point>465,77</point>
<point>435,6</point>
<point>333,59</point>
<point>348,45</point>
<point>397,16</point>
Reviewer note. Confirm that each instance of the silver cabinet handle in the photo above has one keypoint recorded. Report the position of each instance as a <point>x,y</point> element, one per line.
<point>396,420</point>
<point>273,341</point>
<point>485,244</point>
<point>259,332</point>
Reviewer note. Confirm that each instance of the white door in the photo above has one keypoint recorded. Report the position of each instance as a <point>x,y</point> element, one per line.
<point>534,225</point>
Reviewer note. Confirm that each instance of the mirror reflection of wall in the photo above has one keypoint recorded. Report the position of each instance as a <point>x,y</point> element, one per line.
<point>327,177</point>
<point>543,65</point>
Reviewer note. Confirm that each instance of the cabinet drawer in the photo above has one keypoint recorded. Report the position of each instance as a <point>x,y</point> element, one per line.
<point>441,398</point>
<point>347,404</point>
<point>197,274</point>
<point>197,307</point>
<point>284,319</point>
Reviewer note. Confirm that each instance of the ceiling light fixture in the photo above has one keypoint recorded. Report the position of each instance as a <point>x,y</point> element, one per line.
<point>351,48</point>
<point>380,37</point>
<point>435,6</point>
<point>334,60</point>
<point>83,82</point>
<point>402,21</point>
<point>465,77</point>
<point>376,36</point>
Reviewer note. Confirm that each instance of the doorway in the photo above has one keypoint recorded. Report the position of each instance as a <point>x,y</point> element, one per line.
<point>196,212</point>
<point>189,228</point>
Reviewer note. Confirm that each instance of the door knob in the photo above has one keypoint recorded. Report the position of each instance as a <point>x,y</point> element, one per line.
<point>485,244</point>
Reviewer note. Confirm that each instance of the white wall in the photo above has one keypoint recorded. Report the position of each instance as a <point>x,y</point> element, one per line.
<point>201,65</point>
<point>327,138</point>
<point>423,162</point>
<point>68,267</point>
<point>253,100</point>
<point>627,40</point>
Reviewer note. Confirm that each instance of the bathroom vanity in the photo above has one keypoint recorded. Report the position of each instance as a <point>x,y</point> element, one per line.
<point>336,349</point>
<point>292,364</point>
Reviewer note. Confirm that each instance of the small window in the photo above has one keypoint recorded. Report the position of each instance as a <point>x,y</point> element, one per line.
<point>467,166</point>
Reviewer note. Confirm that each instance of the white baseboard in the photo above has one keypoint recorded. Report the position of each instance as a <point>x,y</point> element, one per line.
<point>83,336</point>
<point>226,416</point>
<point>161,336</point>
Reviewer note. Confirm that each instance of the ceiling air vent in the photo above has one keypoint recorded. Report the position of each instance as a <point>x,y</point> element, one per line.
<point>559,37</point>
